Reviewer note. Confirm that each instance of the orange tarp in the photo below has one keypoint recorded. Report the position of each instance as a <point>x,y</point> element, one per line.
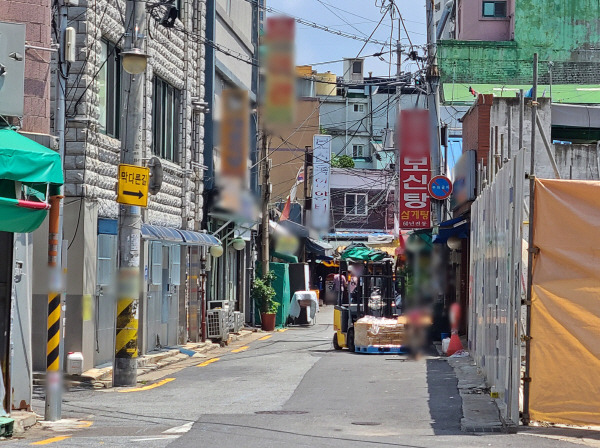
<point>565,311</point>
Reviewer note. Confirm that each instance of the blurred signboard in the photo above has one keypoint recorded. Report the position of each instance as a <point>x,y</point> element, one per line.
<point>12,69</point>
<point>415,169</point>
<point>280,71</point>
<point>321,206</point>
<point>235,133</point>
<point>464,180</point>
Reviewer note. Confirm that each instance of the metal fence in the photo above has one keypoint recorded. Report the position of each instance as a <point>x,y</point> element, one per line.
<point>495,284</point>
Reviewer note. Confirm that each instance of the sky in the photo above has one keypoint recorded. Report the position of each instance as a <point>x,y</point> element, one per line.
<point>358,17</point>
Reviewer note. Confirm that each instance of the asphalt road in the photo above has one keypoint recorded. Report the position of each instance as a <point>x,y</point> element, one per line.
<point>289,390</point>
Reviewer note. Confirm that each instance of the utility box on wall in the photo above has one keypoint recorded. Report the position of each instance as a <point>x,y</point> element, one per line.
<point>12,68</point>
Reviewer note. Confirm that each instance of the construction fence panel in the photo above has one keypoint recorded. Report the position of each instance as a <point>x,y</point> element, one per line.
<point>565,306</point>
<point>495,284</point>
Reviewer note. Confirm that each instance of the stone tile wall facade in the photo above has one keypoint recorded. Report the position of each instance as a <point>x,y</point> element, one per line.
<point>91,157</point>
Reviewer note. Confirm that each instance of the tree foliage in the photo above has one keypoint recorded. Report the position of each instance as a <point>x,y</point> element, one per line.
<point>342,162</point>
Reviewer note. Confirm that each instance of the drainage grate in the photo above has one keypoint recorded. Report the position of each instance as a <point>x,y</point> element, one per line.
<point>366,423</point>
<point>281,412</point>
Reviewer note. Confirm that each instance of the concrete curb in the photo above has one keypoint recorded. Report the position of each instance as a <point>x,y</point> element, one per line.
<point>101,378</point>
<point>480,411</point>
<point>23,420</point>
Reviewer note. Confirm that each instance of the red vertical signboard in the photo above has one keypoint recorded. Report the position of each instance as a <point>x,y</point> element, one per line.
<point>415,169</point>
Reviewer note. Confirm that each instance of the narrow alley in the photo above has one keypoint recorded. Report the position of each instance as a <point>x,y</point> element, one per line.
<point>288,388</point>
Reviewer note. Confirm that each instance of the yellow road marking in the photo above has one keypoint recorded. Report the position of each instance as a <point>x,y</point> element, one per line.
<point>241,349</point>
<point>264,338</point>
<point>207,362</point>
<point>50,440</point>
<point>281,330</point>
<point>150,386</point>
<point>85,424</point>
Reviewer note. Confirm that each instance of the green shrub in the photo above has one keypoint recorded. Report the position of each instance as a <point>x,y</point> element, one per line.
<point>262,293</point>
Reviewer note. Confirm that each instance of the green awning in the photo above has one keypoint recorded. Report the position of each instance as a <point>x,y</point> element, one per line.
<point>285,257</point>
<point>28,171</point>
<point>23,160</point>
<point>360,252</point>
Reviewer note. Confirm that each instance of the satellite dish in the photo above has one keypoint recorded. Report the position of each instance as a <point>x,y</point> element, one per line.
<point>156,175</point>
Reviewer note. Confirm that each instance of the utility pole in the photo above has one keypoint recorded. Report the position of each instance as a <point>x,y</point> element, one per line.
<point>370,108</point>
<point>266,196</point>
<point>130,218</point>
<point>396,147</point>
<point>306,164</point>
<point>530,252</point>
<point>433,100</point>
<point>54,346</point>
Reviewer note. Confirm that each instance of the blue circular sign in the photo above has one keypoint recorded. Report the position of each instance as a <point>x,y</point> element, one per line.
<point>440,187</point>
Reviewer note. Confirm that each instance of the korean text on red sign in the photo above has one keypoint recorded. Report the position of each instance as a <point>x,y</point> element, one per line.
<point>415,169</point>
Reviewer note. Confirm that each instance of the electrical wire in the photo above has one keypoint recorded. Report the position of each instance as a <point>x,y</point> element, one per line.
<point>316,25</point>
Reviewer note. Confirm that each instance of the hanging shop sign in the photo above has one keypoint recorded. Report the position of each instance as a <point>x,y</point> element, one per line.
<point>440,187</point>
<point>280,94</point>
<point>415,169</point>
<point>321,207</point>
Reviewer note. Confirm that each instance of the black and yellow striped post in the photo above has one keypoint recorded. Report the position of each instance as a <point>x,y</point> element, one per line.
<point>53,342</point>
<point>126,338</point>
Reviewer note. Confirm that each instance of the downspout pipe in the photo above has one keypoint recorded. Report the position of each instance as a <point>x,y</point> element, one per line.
<point>209,173</point>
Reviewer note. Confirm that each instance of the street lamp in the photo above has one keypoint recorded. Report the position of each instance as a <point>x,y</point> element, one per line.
<point>238,243</point>
<point>454,243</point>
<point>216,251</point>
<point>134,61</point>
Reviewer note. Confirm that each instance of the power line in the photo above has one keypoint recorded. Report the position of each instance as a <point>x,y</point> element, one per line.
<point>318,26</point>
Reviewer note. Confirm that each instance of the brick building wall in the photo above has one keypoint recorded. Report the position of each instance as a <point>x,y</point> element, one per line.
<point>379,205</point>
<point>35,14</point>
<point>476,128</point>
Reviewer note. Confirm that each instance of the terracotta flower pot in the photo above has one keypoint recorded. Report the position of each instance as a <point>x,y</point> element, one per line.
<point>267,321</point>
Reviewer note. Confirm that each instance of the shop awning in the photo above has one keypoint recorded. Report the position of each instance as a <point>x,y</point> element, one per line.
<point>458,227</point>
<point>160,233</point>
<point>285,257</point>
<point>294,228</point>
<point>23,160</point>
<point>321,249</point>
<point>364,235</point>
<point>28,172</point>
<point>198,238</point>
<point>360,252</point>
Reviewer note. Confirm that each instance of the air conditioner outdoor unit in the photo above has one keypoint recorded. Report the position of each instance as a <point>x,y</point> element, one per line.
<point>238,321</point>
<point>217,324</point>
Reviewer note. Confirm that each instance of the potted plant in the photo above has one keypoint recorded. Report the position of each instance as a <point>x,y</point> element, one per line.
<point>263,293</point>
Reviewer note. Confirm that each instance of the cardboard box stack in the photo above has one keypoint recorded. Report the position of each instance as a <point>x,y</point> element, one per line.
<point>379,331</point>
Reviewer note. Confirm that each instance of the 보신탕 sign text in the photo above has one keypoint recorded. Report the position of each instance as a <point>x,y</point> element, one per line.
<point>415,169</point>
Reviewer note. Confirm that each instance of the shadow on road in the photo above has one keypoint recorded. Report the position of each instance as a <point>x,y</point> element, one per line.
<point>445,405</point>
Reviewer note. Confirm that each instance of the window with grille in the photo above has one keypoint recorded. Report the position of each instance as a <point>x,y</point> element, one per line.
<point>165,120</point>
<point>359,108</point>
<point>358,151</point>
<point>175,265</point>
<point>109,89</point>
<point>494,9</point>
<point>107,252</point>
<point>355,204</point>
<point>156,264</point>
